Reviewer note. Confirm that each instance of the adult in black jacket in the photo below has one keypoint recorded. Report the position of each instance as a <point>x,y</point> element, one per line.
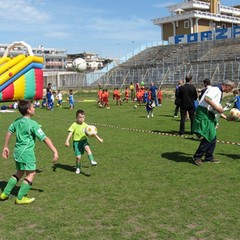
<point>187,95</point>
<point>177,101</point>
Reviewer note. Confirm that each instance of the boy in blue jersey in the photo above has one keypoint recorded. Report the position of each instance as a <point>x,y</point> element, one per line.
<point>71,99</point>
<point>27,130</point>
<point>80,143</point>
<point>237,99</point>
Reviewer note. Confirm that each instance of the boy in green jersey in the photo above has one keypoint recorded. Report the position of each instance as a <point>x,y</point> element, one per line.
<point>27,130</point>
<point>80,143</point>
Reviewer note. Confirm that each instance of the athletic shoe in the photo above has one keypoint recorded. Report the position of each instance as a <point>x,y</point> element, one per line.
<point>3,196</point>
<point>147,116</point>
<point>93,163</point>
<point>214,161</point>
<point>175,116</point>
<point>24,200</point>
<point>77,171</point>
<point>198,162</point>
<point>152,115</point>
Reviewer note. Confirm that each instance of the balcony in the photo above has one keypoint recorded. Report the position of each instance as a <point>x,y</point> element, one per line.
<point>189,6</point>
<point>197,14</point>
<point>230,10</point>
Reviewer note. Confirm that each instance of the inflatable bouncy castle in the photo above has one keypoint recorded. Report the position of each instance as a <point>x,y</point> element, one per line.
<point>21,77</point>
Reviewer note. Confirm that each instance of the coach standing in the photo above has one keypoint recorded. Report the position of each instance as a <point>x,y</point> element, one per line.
<point>187,95</point>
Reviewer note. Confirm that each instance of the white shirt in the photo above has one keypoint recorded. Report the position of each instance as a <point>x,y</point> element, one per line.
<point>59,96</point>
<point>213,93</point>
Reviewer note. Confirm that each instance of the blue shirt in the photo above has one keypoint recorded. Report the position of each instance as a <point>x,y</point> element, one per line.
<point>237,103</point>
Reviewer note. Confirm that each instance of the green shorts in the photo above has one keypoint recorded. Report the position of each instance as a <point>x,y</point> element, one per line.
<point>30,166</point>
<point>78,147</point>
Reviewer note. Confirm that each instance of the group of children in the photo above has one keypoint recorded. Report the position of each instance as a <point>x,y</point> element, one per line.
<point>27,130</point>
<point>143,95</point>
<point>103,98</point>
<point>48,100</point>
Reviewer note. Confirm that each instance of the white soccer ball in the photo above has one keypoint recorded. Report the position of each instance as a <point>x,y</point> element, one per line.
<point>91,131</point>
<point>79,64</point>
<point>135,106</point>
<point>234,113</point>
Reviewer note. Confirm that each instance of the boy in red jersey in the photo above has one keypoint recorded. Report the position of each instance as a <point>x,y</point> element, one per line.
<point>159,96</point>
<point>118,97</point>
<point>126,95</point>
<point>105,96</point>
<point>99,102</point>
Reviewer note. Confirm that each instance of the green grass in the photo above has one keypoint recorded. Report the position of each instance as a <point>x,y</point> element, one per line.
<point>144,187</point>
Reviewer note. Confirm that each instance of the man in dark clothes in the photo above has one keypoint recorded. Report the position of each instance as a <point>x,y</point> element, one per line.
<point>187,95</point>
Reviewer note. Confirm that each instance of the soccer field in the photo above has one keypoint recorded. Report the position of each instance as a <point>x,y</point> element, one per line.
<point>145,185</point>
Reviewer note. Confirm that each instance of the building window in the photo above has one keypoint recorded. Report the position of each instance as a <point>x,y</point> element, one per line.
<point>218,8</point>
<point>186,24</point>
<point>224,25</point>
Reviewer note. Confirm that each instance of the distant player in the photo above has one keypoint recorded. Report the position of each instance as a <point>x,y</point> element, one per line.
<point>71,99</point>
<point>59,98</point>
<point>237,99</point>
<point>150,106</point>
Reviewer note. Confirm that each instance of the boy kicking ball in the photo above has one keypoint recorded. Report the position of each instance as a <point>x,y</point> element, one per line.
<point>80,143</point>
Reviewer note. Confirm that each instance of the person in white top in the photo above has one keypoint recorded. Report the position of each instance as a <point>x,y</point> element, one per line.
<point>205,121</point>
<point>59,97</point>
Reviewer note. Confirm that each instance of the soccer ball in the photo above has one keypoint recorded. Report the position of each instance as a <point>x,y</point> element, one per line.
<point>135,106</point>
<point>234,113</point>
<point>91,131</point>
<point>79,64</point>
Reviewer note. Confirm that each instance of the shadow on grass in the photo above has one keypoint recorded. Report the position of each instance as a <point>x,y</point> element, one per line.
<point>68,168</point>
<point>170,116</point>
<point>232,156</point>
<point>16,188</point>
<point>177,157</point>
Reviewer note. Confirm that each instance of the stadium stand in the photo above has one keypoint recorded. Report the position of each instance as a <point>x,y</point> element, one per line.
<point>217,60</point>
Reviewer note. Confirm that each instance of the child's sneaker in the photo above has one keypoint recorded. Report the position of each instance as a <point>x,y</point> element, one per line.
<point>3,196</point>
<point>24,200</point>
<point>77,171</point>
<point>152,115</point>
<point>147,116</point>
<point>93,163</point>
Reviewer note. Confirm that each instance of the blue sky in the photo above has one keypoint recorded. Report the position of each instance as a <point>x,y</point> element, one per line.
<point>110,28</point>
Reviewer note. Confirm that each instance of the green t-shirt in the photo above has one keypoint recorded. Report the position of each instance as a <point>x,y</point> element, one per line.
<point>27,130</point>
<point>78,131</point>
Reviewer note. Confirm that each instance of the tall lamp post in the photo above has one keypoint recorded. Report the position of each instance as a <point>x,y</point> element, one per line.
<point>133,42</point>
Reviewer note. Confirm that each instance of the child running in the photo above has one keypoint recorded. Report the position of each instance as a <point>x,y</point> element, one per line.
<point>27,130</point>
<point>80,143</point>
